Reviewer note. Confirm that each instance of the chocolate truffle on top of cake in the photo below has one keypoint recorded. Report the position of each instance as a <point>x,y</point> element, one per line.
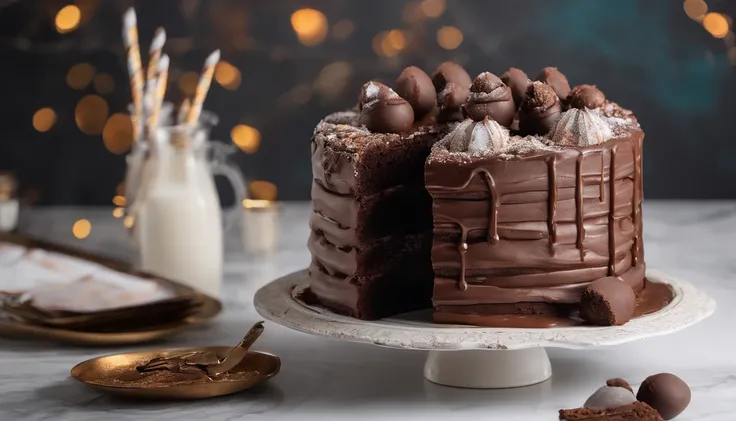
<point>371,222</point>
<point>524,222</point>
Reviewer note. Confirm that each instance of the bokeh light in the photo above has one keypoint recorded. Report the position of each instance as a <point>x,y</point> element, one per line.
<point>449,37</point>
<point>343,29</point>
<point>67,19</point>
<point>118,212</point>
<point>389,43</point>
<point>118,200</point>
<point>432,8</point>
<point>245,137</point>
<point>695,9</point>
<point>118,136</point>
<point>716,24</point>
<point>188,82</point>
<point>332,79</point>
<point>263,190</point>
<point>310,26</point>
<point>80,75</point>
<point>44,119</point>
<point>82,228</point>
<point>104,83</point>
<point>128,221</point>
<point>227,75</point>
<point>91,114</point>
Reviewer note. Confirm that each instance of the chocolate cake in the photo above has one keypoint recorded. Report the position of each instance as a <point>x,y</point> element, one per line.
<point>481,198</point>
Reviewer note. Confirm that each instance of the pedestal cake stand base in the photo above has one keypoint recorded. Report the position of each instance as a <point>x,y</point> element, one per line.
<point>477,357</point>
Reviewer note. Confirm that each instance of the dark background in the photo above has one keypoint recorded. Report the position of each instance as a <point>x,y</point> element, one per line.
<point>677,72</point>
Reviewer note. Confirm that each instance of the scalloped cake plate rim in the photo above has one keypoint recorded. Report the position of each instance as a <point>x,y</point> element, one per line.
<point>276,302</point>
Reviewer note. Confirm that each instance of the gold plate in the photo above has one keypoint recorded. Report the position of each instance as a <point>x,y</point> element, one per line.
<point>117,374</point>
<point>210,308</point>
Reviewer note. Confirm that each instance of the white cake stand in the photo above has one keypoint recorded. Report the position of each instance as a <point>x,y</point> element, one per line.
<point>477,357</point>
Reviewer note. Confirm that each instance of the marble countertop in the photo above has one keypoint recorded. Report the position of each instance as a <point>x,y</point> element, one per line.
<point>325,379</point>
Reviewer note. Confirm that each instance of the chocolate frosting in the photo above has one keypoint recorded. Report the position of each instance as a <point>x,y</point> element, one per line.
<point>538,227</point>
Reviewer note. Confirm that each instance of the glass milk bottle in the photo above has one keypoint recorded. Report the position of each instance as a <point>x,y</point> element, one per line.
<point>178,221</point>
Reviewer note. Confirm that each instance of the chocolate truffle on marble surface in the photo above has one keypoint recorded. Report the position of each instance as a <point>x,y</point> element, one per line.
<point>554,78</point>
<point>415,86</point>
<point>666,393</point>
<point>490,97</point>
<point>452,84</point>
<point>382,110</point>
<point>540,109</point>
<point>607,301</point>
<point>518,82</point>
<point>586,96</point>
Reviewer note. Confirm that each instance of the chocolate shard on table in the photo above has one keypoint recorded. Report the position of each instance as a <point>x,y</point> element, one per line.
<point>487,222</point>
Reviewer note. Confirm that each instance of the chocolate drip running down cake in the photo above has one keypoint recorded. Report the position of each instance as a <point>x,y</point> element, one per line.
<point>489,199</point>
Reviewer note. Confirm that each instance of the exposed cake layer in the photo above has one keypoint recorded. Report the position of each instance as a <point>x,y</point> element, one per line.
<point>347,220</point>
<point>350,160</point>
<point>535,228</point>
<point>371,228</point>
<point>403,284</point>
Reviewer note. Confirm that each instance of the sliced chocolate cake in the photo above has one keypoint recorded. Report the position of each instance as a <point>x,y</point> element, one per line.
<point>372,226</point>
<point>490,200</point>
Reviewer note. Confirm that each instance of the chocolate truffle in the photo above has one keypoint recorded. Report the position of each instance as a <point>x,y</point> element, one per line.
<point>452,84</point>
<point>416,87</point>
<point>540,109</point>
<point>382,110</point>
<point>610,397</point>
<point>518,82</point>
<point>666,393</point>
<point>552,77</point>
<point>489,97</point>
<point>586,96</point>
<point>619,382</point>
<point>607,301</point>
